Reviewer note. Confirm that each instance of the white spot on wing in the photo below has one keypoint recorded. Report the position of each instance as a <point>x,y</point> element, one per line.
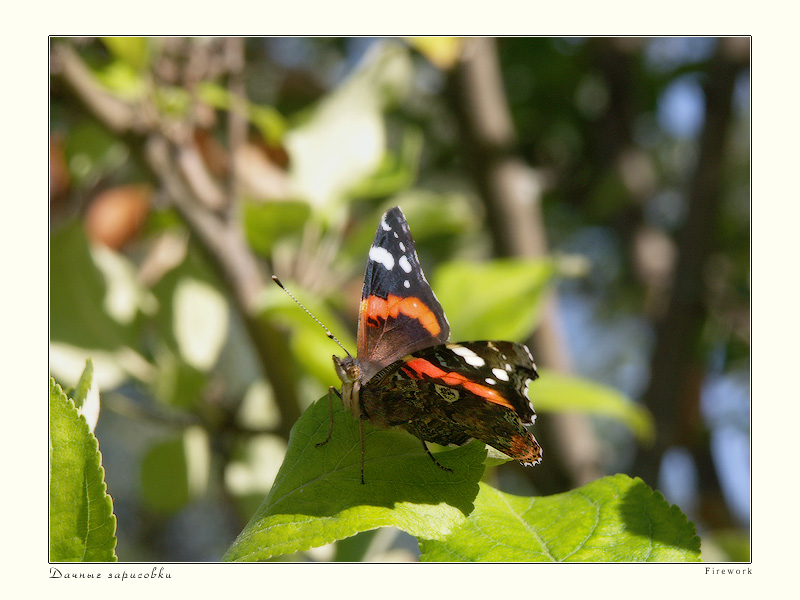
<point>500,374</point>
<point>406,284</point>
<point>404,264</point>
<point>402,246</point>
<point>468,355</point>
<point>382,256</point>
<point>528,352</point>
<point>385,225</point>
<point>490,381</point>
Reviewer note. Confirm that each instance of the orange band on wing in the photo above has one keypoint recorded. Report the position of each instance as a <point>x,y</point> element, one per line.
<point>421,367</point>
<point>375,307</point>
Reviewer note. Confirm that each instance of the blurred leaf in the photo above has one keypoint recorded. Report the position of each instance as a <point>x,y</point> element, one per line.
<point>175,471</point>
<point>726,546</point>
<point>344,139</point>
<point>318,497</point>
<point>200,322</point>
<point>310,346</point>
<point>125,295</point>
<point>269,122</point>
<point>497,300</point>
<point>395,173</point>
<point>441,51</point>
<point>176,382</point>
<point>267,119</point>
<point>134,51</point>
<point>81,391</point>
<point>176,318</point>
<point>258,409</point>
<point>173,101</point>
<point>254,469</point>
<point>82,521</point>
<point>609,520</point>
<point>553,392</point>
<point>267,222</point>
<point>122,79</point>
<point>78,293</point>
<point>91,152</point>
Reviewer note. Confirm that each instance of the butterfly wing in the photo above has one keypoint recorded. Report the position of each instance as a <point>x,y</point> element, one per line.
<point>399,313</point>
<point>475,390</point>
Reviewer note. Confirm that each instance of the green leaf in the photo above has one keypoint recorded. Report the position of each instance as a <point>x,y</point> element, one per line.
<point>81,391</point>
<point>318,497</point>
<point>267,222</point>
<point>175,471</point>
<point>270,123</point>
<point>78,296</point>
<point>612,519</point>
<point>309,344</point>
<point>553,392</point>
<point>135,51</point>
<point>344,139</point>
<point>82,521</point>
<point>488,315</point>
<point>121,78</point>
<point>396,172</point>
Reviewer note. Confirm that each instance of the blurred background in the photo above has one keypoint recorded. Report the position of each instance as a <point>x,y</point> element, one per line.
<point>616,171</point>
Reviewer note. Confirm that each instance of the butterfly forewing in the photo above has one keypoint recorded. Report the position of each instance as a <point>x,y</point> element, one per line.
<point>399,312</point>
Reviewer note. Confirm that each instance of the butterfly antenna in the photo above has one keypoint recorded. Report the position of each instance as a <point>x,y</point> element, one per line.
<point>308,312</point>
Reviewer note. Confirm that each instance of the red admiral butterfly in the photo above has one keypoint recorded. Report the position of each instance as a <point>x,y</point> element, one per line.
<point>407,375</point>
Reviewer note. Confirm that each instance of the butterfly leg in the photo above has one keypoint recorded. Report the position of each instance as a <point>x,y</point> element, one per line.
<point>363,445</point>
<point>433,458</point>
<point>331,391</point>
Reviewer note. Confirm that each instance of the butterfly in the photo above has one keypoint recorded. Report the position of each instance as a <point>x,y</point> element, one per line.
<point>407,375</point>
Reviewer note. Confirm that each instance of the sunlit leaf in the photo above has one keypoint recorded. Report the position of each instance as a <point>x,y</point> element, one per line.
<point>121,78</point>
<point>82,521</point>
<point>612,519</point>
<point>343,140</point>
<point>318,497</point>
<point>497,300</point>
<point>86,396</point>
<point>135,51</point>
<point>200,322</point>
<point>441,51</point>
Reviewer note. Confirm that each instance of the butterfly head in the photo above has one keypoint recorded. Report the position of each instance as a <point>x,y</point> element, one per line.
<point>350,373</point>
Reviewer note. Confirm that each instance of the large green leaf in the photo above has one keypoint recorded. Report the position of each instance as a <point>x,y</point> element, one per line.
<point>318,497</point>
<point>496,300</point>
<point>612,519</point>
<point>553,392</point>
<point>82,521</point>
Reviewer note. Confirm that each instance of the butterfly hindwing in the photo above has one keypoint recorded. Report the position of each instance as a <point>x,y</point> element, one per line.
<point>452,393</point>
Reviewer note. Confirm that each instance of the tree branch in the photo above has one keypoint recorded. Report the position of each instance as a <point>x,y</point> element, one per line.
<point>173,158</point>
<point>678,331</point>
